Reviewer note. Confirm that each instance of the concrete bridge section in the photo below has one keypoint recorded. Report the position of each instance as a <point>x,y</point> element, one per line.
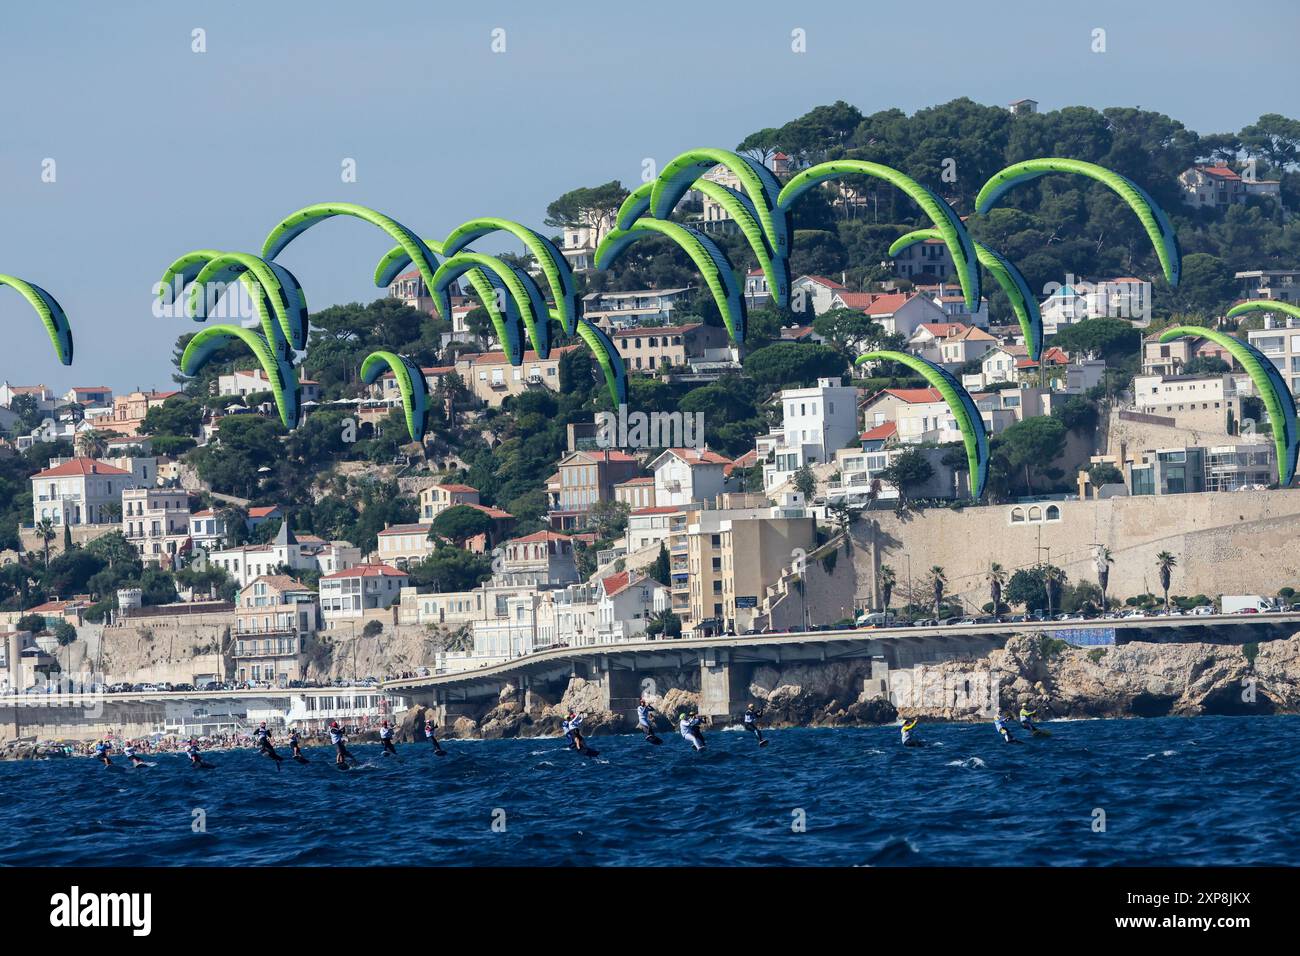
<point>726,663</point>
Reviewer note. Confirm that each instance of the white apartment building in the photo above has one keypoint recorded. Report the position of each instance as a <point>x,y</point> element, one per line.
<point>1279,339</point>
<point>350,594</point>
<point>248,562</point>
<point>816,422</point>
<point>621,310</point>
<point>208,529</point>
<point>156,521</point>
<point>543,559</point>
<point>79,491</point>
<point>684,475</point>
<point>1202,402</point>
<point>402,545</point>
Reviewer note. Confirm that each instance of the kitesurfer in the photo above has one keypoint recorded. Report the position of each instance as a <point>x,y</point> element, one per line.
<point>644,715</point>
<point>386,738</point>
<point>750,722</point>
<point>342,754</point>
<point>1027,718</point>
<point>571,731</point>
<point>429,735</point>
<point>262,737</point>
<point>1001,722</point>
<point>906,733</point>
<point>689,727</point>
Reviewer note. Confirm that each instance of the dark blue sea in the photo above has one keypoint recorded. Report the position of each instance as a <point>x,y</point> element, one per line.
<point>1208,790</point>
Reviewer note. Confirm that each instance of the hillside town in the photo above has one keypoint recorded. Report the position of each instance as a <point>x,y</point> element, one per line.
<point>517,524</point>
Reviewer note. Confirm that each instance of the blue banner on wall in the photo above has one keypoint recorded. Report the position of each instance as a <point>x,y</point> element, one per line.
<point>1085,636</point>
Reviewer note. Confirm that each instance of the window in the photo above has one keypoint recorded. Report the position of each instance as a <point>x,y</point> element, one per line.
<point>1017,515</point>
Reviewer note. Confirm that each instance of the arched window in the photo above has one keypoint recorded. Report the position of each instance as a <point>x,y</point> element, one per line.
<point>1053,513</point>
<point>1017,515</point>
<point>1035,513</point>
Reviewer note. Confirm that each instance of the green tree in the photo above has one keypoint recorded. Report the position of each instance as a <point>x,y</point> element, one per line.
<point>661,569</point>
<point>46,532</point>
<point>886,579</point>
<point>1104,561</point>
<point>1165,564</point>
<point>793,364</point>
<point>1032,445</point>
<point>997,578</point>
<point>805,482</point>
<point>849,332</point>
<point>938,581</point>
<point>591,206</point>
<point>908,470</point>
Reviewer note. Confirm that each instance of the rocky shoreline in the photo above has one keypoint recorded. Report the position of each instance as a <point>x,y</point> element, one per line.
<point>1128,680</point>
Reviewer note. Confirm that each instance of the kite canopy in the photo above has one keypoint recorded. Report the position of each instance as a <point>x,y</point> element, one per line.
<point>969,421</point>
<point>279,373</point>
<point>756,181</point>
<point>1023,302</point>
<point>523,301</point>
<point>1263,305</point>
<point>1268,382</point>
<point>50,312</point>
<point>1152,217</point>
<point>550,260</point>
<point>941,215</point>
<point>608,358</point>
<point>776,269</point>
<point>711,262</point>
<point>296,223</point>
<point>272,287</point>
<point>410,382</point>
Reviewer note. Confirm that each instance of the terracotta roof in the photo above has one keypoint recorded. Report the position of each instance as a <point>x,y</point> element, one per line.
<point>941,330</point>
<point>457,489</point>
<point>889,304</point>
<point>748,460</point>
<point>262,511</point>
<point>880,432</point>
<point>406,529</point>
<point>282,581</point>
<point>857,300</point>
<point>656,510</point>
<point>698,456</point>
<point>822,280</point>
<point>499,358</point>
<point>367,571</point>
<point>83,467</point>
<point>494,513</point>
<point>915,396</point>
<point>615,582</point>
<point>1220,172</point>
<point>639,480</point>
<point>547,536</point>
<point>605,454</point>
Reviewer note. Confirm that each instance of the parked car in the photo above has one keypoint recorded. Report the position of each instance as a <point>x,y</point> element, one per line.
<point>182,687</point>
<point>1203,610</point>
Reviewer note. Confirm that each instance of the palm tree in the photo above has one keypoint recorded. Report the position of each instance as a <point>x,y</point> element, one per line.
<point>45,531</point>
<point>1104,561</point>
<point>1165,564</point>
<point>938,581</point>
<point>93,444</point>
<point>1053,579</point>
<point>997,580</point>
<point>886,579</point>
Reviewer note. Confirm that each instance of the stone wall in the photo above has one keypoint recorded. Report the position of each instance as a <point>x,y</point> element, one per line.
<point>1225,543</point>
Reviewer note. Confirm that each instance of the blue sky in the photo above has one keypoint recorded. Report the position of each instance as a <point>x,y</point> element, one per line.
<point>160,150</point>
